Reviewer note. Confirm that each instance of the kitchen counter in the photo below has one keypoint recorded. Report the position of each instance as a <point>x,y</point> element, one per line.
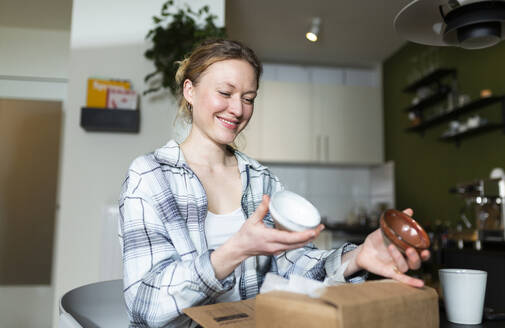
<point>490,259</point>
<point>485,324</point>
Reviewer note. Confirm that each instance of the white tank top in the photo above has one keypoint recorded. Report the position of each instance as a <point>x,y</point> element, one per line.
<point>218,229</point>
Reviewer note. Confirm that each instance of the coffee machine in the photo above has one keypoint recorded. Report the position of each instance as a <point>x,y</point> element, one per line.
<point>482,225</point>
<point>484,210</point>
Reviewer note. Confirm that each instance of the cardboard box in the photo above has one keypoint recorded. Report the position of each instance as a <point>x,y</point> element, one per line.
<point>233,314</point>
<point>384,303</point>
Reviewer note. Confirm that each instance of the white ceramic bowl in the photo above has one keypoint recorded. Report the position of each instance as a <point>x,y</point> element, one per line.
<point>293,212</point>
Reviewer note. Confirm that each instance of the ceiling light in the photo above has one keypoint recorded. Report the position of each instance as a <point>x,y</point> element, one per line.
<point>469,24</point>
<point>313,34</point>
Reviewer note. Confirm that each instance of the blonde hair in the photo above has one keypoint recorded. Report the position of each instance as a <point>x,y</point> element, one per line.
<point>206,54</point>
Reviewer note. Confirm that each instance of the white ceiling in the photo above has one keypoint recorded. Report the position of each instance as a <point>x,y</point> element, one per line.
<point>353,33</point>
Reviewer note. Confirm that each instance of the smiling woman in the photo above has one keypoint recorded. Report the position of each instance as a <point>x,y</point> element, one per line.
<point>195,226</point>
<point>223,96</point>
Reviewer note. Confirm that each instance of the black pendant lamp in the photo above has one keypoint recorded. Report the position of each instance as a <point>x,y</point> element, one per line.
<point>469,24</point>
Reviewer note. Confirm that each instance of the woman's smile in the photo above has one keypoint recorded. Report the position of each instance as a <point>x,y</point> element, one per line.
<point>228,123</point>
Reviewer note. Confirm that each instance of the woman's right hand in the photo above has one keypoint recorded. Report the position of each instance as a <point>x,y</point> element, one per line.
<point>254,238</point>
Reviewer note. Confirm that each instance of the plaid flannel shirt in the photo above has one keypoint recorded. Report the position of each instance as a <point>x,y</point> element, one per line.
<point>166,260</point>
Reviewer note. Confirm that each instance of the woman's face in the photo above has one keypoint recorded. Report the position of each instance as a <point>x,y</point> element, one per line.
<point>222,99</point>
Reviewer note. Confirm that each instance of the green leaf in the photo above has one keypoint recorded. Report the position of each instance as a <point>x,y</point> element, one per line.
<point>151,32</point>
<point>188,9</point>
<point>149,54</point>
<point>150,75</point>
<point>174,41</point>
<point>150,90</point>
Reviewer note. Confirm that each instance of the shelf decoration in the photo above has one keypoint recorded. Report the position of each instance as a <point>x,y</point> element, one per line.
<point>436,86</point>
<point>472,131</point>
<point>98,87</point>
<point>433,77</point>
<point>111,105</point>
<point>122,99</point>
<point>455,113</point>
<point>430,91</point>
<point>110,120</point>
<point>439,95</point>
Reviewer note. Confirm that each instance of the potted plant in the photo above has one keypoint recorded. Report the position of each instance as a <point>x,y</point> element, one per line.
<point>175,35</point>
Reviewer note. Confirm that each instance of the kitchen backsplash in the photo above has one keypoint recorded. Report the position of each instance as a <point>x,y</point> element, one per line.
<point>338,191</point>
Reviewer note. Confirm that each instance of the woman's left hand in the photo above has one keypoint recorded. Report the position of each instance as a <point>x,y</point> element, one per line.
<point>374,256</point>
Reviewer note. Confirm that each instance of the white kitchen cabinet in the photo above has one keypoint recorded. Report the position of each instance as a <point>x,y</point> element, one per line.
<point>249,141</point>
<point>322,123</point>
<point>349,126</point>
<point>284,118</point>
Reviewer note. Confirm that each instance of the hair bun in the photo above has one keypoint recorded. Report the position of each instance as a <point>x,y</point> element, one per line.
<point>181,71</point>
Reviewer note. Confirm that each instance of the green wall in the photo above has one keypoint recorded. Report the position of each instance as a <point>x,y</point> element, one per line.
<point>426,168</point>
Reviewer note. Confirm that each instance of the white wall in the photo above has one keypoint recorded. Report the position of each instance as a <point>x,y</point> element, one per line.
<point>34,52</point>
<point>107,39</point>
<point>25,306</point>
<point>14,87</point>
<point>33,65</point>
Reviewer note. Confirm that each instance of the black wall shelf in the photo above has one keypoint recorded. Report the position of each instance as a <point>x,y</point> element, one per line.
<point>111,120</point>
<point>442,90</point>
<point>472,132</point>
<point>431,100</point>
<point>472,106</point>
<point>426,80</point>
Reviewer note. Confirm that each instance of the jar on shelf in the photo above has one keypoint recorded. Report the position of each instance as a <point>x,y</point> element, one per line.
<point>414,118</point>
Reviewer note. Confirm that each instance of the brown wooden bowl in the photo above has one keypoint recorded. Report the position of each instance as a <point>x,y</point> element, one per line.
<point>403,231</point>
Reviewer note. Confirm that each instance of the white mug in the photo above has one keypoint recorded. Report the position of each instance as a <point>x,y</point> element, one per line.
<point>463,291</point>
